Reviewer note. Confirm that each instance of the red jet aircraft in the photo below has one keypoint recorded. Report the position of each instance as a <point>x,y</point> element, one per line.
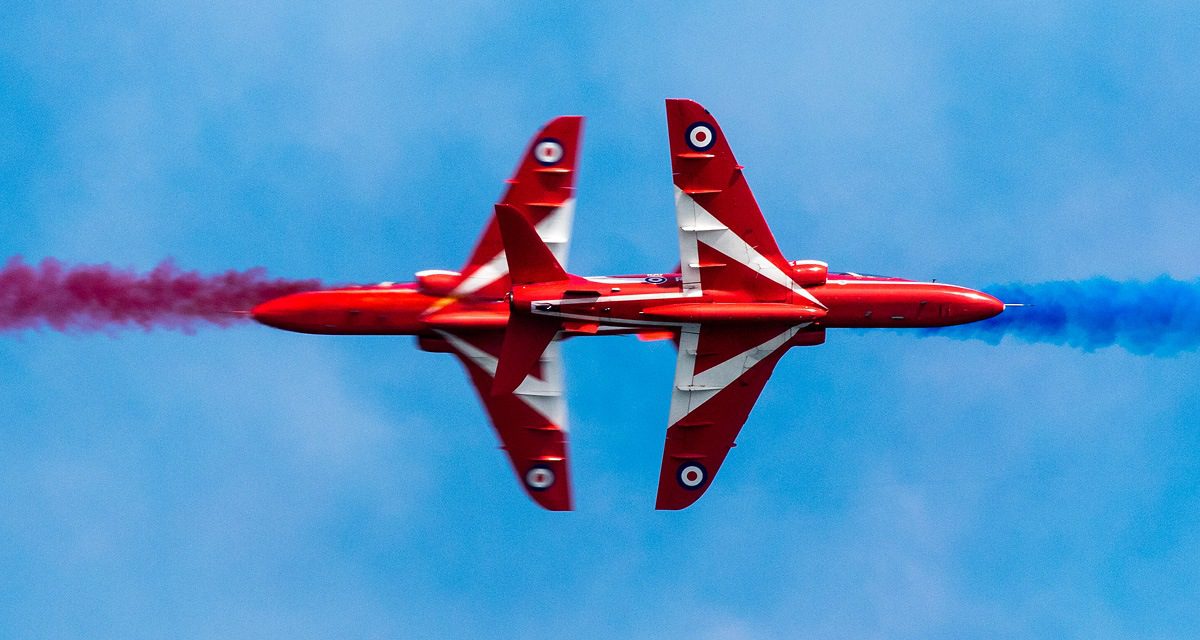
<point>733,311</point>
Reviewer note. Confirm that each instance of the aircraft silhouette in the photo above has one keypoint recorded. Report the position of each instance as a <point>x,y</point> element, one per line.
<point>735,307</point>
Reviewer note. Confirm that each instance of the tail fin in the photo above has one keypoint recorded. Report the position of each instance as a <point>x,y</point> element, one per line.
<point>530,261</point>
<point>543,185</point>
<point>525,340</point>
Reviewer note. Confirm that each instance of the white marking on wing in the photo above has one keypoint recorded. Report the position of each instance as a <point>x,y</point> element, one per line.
<point>689,252</point>
<point>692,390</point>
<point>697,225</point>
<point>554,230</point>
<point>544,396</point>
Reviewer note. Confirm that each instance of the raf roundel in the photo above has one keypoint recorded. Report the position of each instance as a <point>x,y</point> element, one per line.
<point>691,476</point>
<point>539,478</point>
<point>700,136</point>
<point>548,151</point>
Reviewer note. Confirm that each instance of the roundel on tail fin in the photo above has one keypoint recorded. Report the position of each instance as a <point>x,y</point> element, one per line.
<point>548,152</point>
<point>701,136</point>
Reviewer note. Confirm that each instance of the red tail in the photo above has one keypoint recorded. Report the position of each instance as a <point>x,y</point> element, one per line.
<point>529,259</point>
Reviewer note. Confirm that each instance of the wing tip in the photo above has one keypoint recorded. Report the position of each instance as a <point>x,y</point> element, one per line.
<point>681,482</point>
<point>556,507</point>
<point>684,105</point>
<point>673,500</point>
<point>547,483</point>
<point>553,500</point>
<point>572,125</point>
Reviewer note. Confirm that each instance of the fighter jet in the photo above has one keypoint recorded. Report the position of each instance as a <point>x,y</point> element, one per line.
<point>735,307</point>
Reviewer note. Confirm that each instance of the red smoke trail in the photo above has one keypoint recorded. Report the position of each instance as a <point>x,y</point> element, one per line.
<point>104,298</point>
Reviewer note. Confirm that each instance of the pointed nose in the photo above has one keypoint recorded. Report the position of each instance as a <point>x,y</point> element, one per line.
<point>978,306</point>
<point>277,312</point>
<point>991,306</point>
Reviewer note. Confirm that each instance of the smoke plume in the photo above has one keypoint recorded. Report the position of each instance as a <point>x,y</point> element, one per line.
<point>104,298</point>
<point>1160,317</point>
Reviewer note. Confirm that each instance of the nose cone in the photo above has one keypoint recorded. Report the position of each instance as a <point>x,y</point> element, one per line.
<point>978,306</point>
<point>281,313</point>
<point>991,306</point>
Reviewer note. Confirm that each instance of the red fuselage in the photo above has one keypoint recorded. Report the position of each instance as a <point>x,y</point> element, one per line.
<point>628,304</point>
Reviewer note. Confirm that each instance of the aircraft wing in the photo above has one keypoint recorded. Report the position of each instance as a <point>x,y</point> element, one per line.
<point>719,373</point>
<point>531,421</point>
<point>543,189</point>
<point>724,241</point>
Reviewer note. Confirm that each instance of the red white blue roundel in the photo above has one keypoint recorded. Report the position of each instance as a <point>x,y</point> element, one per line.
<point>548,151</point>
<point>539,478</point>
<point>701,136</point>
<point>692,475</point>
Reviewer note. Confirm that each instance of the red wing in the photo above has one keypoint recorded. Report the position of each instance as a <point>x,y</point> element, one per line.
<point>530,421</point>
<point>719,374</point>
<point>724,241</point>
<point>542,188</point>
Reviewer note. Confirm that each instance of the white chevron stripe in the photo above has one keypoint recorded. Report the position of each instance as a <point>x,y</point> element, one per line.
<point>554,230</point>
<point>692,390</point>
<point>490,272</point>
<point>697,225</point>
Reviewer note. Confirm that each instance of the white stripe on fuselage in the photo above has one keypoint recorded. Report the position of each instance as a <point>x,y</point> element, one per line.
<point>633,297</point>
<point>609,319</point>
<point>900,282</point>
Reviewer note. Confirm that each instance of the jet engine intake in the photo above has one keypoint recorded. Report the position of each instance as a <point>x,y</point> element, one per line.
<point>436,282</point>
<point>809,273</point>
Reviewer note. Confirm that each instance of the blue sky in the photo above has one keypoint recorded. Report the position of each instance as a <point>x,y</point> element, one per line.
<point>253,483</point>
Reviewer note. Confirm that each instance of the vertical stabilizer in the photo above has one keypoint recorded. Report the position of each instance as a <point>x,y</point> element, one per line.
<point>530,261</point>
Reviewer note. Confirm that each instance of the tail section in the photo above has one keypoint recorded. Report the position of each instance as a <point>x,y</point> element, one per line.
<point>543,187</point>
<point>526,338</point>
<point>530,259</point>
<point>530,262</point>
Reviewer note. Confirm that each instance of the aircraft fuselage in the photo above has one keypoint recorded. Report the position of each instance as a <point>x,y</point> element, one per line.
<point>628,304</point>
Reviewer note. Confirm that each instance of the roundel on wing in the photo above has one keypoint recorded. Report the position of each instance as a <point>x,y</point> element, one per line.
<point>692,475</point>
<point>701,136</point>
<point>539,478</point>
<point>548,151</point>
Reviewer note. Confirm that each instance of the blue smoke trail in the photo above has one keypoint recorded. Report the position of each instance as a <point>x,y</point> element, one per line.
<point>1160,317</point>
